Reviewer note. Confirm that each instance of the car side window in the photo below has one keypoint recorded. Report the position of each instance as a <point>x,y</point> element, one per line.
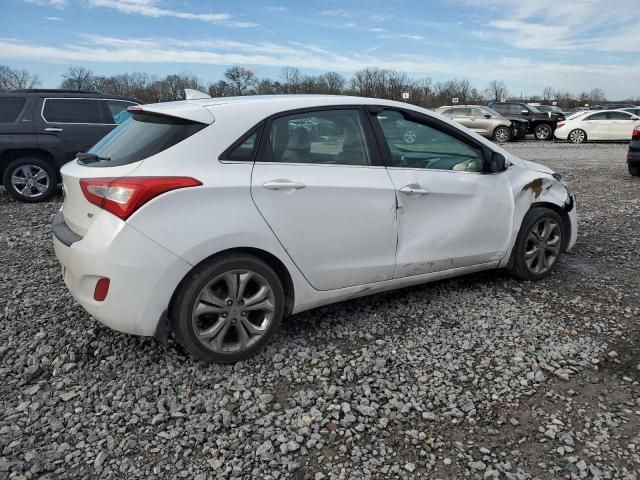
<point>597,116</point>
<point>501,108</point>
<point>463,112</point>
<point>322,137</point>
<point>11,108</point>
<point>72,110</point>
<point>618,116</point>
<point>416,145</point>
<point>244,151</point>
<point>118,110</point>
<point>476,112</point>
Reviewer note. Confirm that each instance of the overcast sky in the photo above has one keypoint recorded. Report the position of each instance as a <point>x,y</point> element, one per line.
<point>530,44</point>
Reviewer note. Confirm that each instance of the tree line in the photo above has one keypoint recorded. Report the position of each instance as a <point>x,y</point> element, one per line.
<point>368,82</point>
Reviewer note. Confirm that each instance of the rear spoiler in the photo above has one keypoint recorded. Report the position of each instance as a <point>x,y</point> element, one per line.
<point>185,110</point>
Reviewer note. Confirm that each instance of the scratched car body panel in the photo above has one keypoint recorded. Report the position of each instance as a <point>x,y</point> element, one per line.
<point>327,189</point>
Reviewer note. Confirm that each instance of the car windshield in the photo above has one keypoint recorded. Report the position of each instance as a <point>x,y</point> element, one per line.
<point>533,109</point>
<point>139,137</point>
<point>542,108</point>
<point>576,115</point>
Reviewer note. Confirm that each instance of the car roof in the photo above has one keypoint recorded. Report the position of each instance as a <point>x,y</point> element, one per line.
<point>203,110</point>
<point>58,93</point>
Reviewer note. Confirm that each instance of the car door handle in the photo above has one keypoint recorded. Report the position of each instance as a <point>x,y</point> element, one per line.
<point>282,185</point>
<point>414,189</point>
<point>53,129</point>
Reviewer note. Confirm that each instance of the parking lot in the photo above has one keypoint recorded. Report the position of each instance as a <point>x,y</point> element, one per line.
<point>476,377</point>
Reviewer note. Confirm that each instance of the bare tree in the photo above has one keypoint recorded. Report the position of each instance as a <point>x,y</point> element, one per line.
<point>78,78</point>
<point>291,79</point>
<point>241,80</point>
<point>597,95</point>
<point>548,94</point>
<point>11,79</point>
<point>497,90</point>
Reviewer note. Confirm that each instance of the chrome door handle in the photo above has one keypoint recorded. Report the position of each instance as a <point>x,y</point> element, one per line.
<point>414,189</point>
<point>53,129</point>
<point>282,185</point>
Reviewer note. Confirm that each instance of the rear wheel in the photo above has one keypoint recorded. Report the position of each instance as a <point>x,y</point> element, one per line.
<point>228,308</point>
<point>634,170</point>
<point>577,136</point>
<point>543,132</point>
<point>538,245</point>
<point>29,179</point>
<point>501,134</point>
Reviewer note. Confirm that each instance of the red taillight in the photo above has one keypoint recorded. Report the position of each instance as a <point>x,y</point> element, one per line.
<point>123,196</point>
<point>102,288</point>
<point>635,135</point>
<point>560,124</point>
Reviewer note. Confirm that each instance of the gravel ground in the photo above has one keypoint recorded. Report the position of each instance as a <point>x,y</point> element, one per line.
<point>478,377</point>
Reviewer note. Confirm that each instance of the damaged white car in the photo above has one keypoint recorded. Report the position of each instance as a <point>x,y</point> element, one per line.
<point>214,218</point>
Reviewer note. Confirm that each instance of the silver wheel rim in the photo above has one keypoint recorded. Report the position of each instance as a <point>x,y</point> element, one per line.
<point>543,133</point>
<point>233,311</point>
<point>410,136</point>
<point>576,136</point>
<point>30,181</point>
<point>502,134</point>
<point>542,246</point>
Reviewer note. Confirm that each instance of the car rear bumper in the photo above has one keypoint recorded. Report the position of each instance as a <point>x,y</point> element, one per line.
<point>143,275</point>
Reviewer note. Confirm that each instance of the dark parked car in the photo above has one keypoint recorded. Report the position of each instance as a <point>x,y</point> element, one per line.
<point>541,124</point>
<point>40,130</point>
<point>633,157</point>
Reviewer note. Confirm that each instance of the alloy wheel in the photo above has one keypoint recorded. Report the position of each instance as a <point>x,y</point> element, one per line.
<point>30,181</point>
<point>542,246</point>
<point>577,136</point>
<point>543,132</point>
<point>233,311</point>
<point>502,134</point>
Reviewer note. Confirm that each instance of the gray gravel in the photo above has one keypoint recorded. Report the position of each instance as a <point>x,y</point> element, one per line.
<point>478,377</point>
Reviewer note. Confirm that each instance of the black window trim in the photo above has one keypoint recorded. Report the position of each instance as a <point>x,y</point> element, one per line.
<point>373,151</point>
<point>259,129</point>
<point>432,122</point>
<point>101,110</point>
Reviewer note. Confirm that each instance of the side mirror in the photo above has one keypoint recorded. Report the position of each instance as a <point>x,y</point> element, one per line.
<point>486,115</point>
<point>498,163</point>
<point>525,112</point>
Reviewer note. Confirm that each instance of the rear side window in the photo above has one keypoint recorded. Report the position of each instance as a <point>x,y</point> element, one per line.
<point>501,108</point>
<point>597,116</point>
<point>140,137</point>
<point>618,116</point>
<point>118,110</point>
<point>244,151</point>
<point>72,110</point>
<point>11,108</point>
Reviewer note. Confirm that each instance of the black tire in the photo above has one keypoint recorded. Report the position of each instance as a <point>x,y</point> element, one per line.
<point>635,171</point>
<point>40,189</point>
<point>518,265</point>
<point>543,132</point>
<point>577,136</point>
<point>502,134</point>
<point>184,325</point>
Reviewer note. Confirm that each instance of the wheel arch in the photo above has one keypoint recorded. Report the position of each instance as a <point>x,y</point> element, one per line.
<point>11,154</point>
<point>270,259</point>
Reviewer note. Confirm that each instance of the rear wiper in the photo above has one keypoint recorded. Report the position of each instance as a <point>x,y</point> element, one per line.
<point>86,157</point>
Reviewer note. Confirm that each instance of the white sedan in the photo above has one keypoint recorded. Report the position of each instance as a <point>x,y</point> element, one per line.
<point>609,125</point>
<point>215,218</point>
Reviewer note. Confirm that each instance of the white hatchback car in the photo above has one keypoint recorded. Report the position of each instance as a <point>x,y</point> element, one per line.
<point>214,218</point>
<point>611,125</point>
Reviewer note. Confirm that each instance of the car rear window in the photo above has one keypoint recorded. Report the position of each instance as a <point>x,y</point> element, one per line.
<point>140,137</point>
<point>71,110</point>
<point>10,108</point>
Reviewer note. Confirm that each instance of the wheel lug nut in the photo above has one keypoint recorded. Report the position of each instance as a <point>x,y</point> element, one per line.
<point>224,315</point>
<point>244,314</point>
<point>229,302</point>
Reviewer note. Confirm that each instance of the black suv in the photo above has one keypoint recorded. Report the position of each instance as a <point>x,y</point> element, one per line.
<point>541,124</point>
<point>40,130</point>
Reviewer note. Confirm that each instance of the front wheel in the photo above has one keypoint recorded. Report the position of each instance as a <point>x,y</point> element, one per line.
<point>501,134</point>
<point>228,308</point>
<point>29,179</point>
<point>543,132</point>
<point>634,170</point>
<point>538,245</point>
